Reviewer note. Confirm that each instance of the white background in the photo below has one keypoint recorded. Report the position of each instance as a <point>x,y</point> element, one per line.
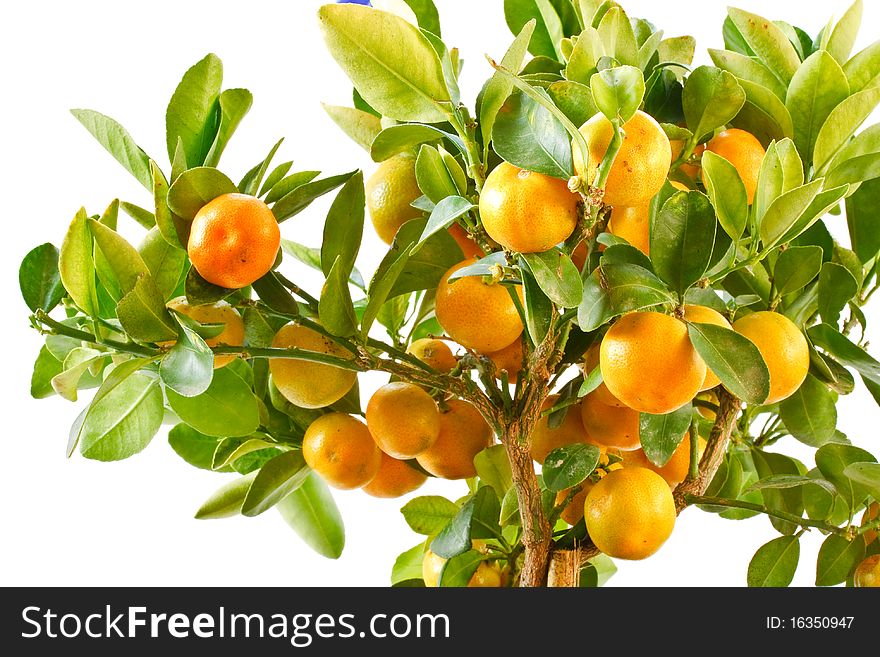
<point>79,522</point>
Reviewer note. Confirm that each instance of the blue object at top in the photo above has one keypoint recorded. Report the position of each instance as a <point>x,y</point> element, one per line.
<point>353,2</point>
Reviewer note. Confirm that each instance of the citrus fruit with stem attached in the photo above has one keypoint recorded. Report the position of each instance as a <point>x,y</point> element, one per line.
<point>676,468</point>
<point>610,426</point>
<point>633,225</point>
<point>545,439</point>
<point>340,448</point>
<point>784,348</point>
<point>390,191</point>
<point>220,312</point>
<point>510,359</point>
<point>233,240</point>
<point>630,513</point>
<point>525,211</point>
<point>464,433</point>
<point>403,419</point>
<point>573,512</point>
<point>690,170</point>
<point>641,165</point>
<point>394,478</point>
<point>867,573</point>
<point>487,574</point>
<point>706,315</point>
<point>306,383</point>
<point>743,150</point>
<point>469,248</point>
<point>649,363</point>
<point>434,353</point>
<point>476,314</point>
<point>872,512</point>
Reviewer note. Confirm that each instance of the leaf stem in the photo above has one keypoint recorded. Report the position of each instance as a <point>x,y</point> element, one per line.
<point>44,320</point>
<point>760,508</point>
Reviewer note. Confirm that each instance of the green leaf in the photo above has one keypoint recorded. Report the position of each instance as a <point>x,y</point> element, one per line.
<point>848,354</point>
<point>174,229</point>
<point>195,448</point>
<point>832,460</point>
<point>118,143</point>
<point>631,287</point>
<point>734,359</point>
<point>405,137</point>
<point>810,414</point>
<point>361,126</point>
<point>595,306</point>
<point>789,500</point>
<point>391,63</point>
<point>568,466</point>
<point>841,124</point>
<point>487,511</point>
<point>195,188</point>
<point>77,362</point>
<point>76,264</point>
<point>312,513</point>
<point>784,481</point>
<point>661,435</point>
<point>279,477</point>
<point>429,514</point>
<point>192,115</point>
<point>618,38</point>
<point>164,262</point>
<point>123,421</point>
<point>679,239</point>
<point>39,278</point>
<point>123,259</point>
<point>443,216</point>
<point>796,267</point>
<point>250,183</point>
<point>189,366</point>
<point>763,114</point>
<point>493,468</point>
<point>458,570</point>
<point>584,58</point>
<point>573,99</point>
<point>783,213</point>
<point>426,15</point>
<point>837,559</point>
<point>618,92</point>
<point>408,565</point>
<point>768,41</point>
<point>227,500</point>
<point>518,13</point>
<point>858,161</point>
<point>530,137</point>
<point>747,68</point>
<point>862,221</point>
<point>711,98</point>
<point>817,87</point>
<point>781,171</point>
<point>433,178</point>
<point>727,193</point>
<point>144,217</point>
<point>335,307</point>
<point>143,315</point>
<point>234,104</point>
<point>299,198</point>
<point>455,537</point>
<point>46,368</point>
<point>557,277</point>
<point>344,226</point>
<point>843,37</point>
<point>862,68</point>
<point>866,475</point>
<point>775,562</point>
<point>425,266</point>
<point>538,308</point>
<point>275,177</point>
<point>198,291</point>
<point>227,408</point>
<point>836,287</point>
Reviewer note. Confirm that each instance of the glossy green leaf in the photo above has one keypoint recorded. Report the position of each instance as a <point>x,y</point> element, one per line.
<point>408,565</point>
<point>312,513</point>
<point>568,466</point>
<point>188,367</point>
<point>528,136</point>
<point>573,99</point>
<point>748,68</point>
<point>192,115</point>
<point>429,514</point>
<point>335,307</point>
<point>727,193</point>
<point>783,213</point>
<point>631,287</point>
<point>195,188</point>
<point>344,226</point>
<point>866,475</point>
<point>39,279</point>
<point>486,513</point>
<point>493,468</point>
<point>250,183</point>
<point>195,448</point>
<point>164,262</point>
<point>557,277</point>
<point>588,50</point>
<point>679,238</point>
<point>832,460</point>
<point>455,537</point>
<point>660,435</point>
<point>784,481</point>
<point>361,127</point>
<point>711,98</point>
<point>796,267</point>
<point>458,570</point>
<point>174,229</point>
<point>842,123</point>
<point>836,287</point>
<point>299,198</point>
<point>538,307</point>
<point>443,216</point>
<point>227,500</point>
<point>519,13</point>
<point>781,171</point>
<point>862,68</point>
<point>226,408</point>
<point>425,266</point>
<point>734,359</point>
<point>618,38</point>
<point>405,137</point>
<point>434,179</point>
<point>275,481</point>
<point>810,414</point>
<point>618,92</point>
<point>843,36</point>
<point>234,104</point>
<point>76,264</point>
<point>126,264</point>
<point>46,368</point>
<point>861,217</point>
<point>837,559</point>
<point>789,500</point>
<point>768,41</point>
<point>116,140</point>
<point>774,563</point>
<point>848,354</point>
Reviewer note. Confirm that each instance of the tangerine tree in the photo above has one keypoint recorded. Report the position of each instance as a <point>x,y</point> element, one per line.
<point>618,265</point>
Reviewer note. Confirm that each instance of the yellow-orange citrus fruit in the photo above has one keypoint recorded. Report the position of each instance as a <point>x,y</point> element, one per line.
<point>468,247</point>
<point>433,353</point>
<point>390,191</point>
<point>340,448</point>
<point>744,152</point>
<point>579,255</point>
<point>676,469</point>
<point>641,165</point>
<point>220,312</point>
<point>233,240</point>
<point>463,434</point>
<point>705,315</point>
<point>403,419</point>
<point>510,358</point>
<point>488,574</point>
<point>545,439</point>
<point>525,211</point>
<point>394,478</point>
<point>783,347</point>
<point>475,314</point>
<point>871,513</point>
<point>304,383</point>
<point>710,397</point>
<point>690,170</point>
<point>591,361</point>
<point>573,513</point>
<point>633,225</point>
<point>630,513</point>
<point>610,426</point>
<point>867,573</point>
<point>649,363</point>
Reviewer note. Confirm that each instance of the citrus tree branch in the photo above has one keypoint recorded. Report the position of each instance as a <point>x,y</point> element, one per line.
<point>43,320</point>
<point>782,515</point>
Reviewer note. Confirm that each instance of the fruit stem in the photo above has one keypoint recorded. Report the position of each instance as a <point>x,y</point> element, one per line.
<point>760,508</point>
<point>475,167</point>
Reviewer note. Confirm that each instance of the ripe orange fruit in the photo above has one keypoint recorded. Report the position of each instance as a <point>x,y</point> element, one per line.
<point>390,191</point>
<point>433,353</point>
<point>783,347</point>
<point>403,419</point>
<point>630,513</point>
<point>574,512</point>
<point>744,152</point>
<point>545,439</point>
<point>304,383</point>
<point>641,165</point>
<point>340,449</point>
<point>610,426</point>
<point>510,358</point>
<point>633,225</point>
<point>469,248</point>
<point>488,574</point>
<point>233,240</point>
<point>871,513</point>
<point>867,573</point>
<point>649,363</point>
<point>213,313</point>
<point>463,434</point>
<point>676,469</point>
<point>705,315</point>
<point>475,314</point>
<point>525,211</point>
<point>394,478</point>
<point>690,170</point>
<point>591,361</point>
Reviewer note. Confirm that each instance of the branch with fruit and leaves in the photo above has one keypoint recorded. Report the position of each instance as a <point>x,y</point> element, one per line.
<point>616,265</point>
